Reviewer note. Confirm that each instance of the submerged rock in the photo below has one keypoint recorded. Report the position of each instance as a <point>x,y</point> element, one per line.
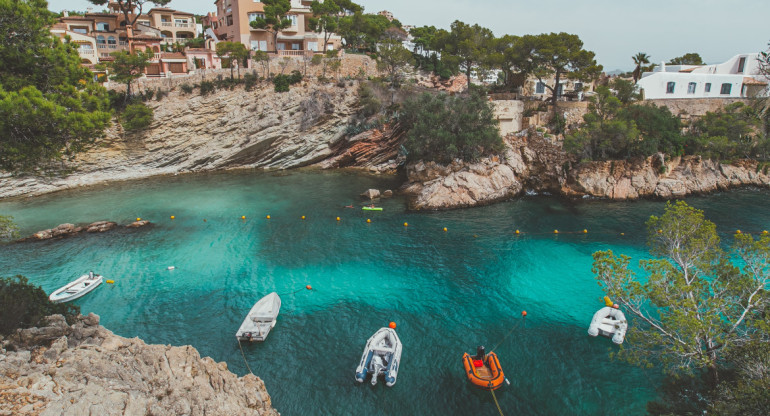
<point>100,226</point>
<point>137,224</point>
<point>82,369</point>
<point>371,194</point>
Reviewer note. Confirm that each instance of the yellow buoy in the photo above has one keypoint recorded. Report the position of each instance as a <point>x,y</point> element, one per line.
<point>622,233</point>
<point>243,217</point>
<point>660,231</point>
<point>556,231</point>
<point>172,217</point>
<point>737,231</point>
<point>517,231</point>
<point>444,229</point>
<point>475,236</point>
<point>764,232</point>
<point>585,231</point>
<point>406,224</point>
<point>368,220</point>
<point>110,281</point>
<point>607,301</point>
<point>268,216</point>
<point>303,217</point>
<point>138,219</point>
<point>338,218</point>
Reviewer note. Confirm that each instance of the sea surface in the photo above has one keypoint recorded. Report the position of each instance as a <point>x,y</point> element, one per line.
<point>448,291</point>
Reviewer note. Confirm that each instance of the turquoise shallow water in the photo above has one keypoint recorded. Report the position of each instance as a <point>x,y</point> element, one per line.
<point>447,291</point>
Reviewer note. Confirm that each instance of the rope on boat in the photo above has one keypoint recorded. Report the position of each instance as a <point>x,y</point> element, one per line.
<point>496,403</point>
<point>244,358</point>
<point>524,317</point>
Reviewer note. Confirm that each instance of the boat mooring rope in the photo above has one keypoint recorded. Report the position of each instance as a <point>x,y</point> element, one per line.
<point>244,358</point>
<point>496,403</point>
<point>524,317</point>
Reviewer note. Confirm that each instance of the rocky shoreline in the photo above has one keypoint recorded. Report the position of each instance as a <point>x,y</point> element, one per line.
<point>83,369</point>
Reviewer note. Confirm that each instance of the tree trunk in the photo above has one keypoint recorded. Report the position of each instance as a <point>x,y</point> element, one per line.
<point>468,72</point>
<point>556,89</point>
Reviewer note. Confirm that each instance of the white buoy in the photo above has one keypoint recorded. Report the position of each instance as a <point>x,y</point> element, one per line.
<point>171,268</point>
<point>507,382</point>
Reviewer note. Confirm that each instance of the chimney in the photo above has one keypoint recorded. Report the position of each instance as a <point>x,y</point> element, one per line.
<point>65,13</point>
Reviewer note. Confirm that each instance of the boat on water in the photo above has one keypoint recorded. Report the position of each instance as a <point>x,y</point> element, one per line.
<point>260,319</point>
<point>609,322</point>
<point>382,356</point>
<point>76,288</point>
<point>483,370</point>
<point>368,208</point>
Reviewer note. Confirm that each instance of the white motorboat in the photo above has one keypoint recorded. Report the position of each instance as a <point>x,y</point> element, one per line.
<point>260,320</point>
<point>609,322</point>
<point>382,356</point>
<point>77,288</point>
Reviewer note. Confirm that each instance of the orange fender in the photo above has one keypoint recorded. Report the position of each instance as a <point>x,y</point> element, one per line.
<point>492,382</point>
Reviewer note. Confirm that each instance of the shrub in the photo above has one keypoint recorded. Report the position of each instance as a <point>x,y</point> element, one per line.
<point>136,116</point>
<point>282,82</point>
<point>8,228</point>
<point>250,81</point>
<point>23,305</point>
<point>159,94</point>
<point>186,88</point>
<point>206,87</point>
<point>368,101</point>
<point>442,127</point>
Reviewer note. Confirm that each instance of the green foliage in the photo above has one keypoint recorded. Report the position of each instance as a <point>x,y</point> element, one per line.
<point>8,228</point>
<point>276,18</point>
<point>235,52</point>
<point>640,59</point>
<point>23,305</point>
<point>693,305</point>
<point>687,59</point>
<point>250,80</point>
<point>136,116</point>
<point>561,54</point>
<point>443,128</point>
<point>206,87</point>
<point>733,132</point>
<point>392,58</point>
<point>368,102</point>
<point>362,32</point>
<point>262,58</point>
<point>746,392</point>
<point>187,88</point>
<point>48,105</point>
<point>282,82</point>
<point>327,15</point>
<point>131,9</point>
<point>128,66</point>
<point>468,45</point>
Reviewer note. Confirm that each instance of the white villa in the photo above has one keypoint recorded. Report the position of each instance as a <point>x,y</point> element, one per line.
<point>739,77</point>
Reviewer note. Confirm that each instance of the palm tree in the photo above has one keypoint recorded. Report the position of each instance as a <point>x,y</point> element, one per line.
<point>639,59</point>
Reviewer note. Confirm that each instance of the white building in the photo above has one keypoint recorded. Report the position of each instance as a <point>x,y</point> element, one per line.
<point>737,78</point>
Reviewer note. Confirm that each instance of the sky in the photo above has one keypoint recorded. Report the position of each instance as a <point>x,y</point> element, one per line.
<point>614,29</point>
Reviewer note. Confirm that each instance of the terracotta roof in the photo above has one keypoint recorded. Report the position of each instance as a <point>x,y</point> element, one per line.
<point>167,10</point>
<point>752,81</point>
<point>74,18</point>
<point>107,58</point>
<point>687,70</point>
<point>59,26</point>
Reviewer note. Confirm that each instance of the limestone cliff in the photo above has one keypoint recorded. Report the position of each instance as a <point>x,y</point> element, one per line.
<point>538,164</point>
<point>84,369</point>
<point>223,130</point>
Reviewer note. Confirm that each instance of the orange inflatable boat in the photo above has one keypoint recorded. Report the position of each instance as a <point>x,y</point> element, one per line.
<point>483,370</point>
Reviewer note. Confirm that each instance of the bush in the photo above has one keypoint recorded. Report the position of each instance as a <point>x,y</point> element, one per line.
<point>8,228</point>
<point>368,101</point>
<point>23,305</point>
<point>136,116</point>
<point>206,87</point>
<point>250,80</point>
<point>282,82</point>
<point>187,88</point>
<point>159,94</point>
<point>442,127</point>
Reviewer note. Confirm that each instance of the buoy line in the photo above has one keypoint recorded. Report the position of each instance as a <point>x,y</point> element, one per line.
<point>496,403</point>
<point>523,317</point>
<point>244,358</point>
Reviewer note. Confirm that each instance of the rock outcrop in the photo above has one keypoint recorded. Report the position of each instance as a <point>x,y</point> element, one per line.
<point>223,130</point>
<point>66,230</point>
<point>536,164</point>
<point>84,369</point>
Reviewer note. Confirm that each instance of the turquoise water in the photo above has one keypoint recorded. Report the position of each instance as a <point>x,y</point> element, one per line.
<point>447,291</point>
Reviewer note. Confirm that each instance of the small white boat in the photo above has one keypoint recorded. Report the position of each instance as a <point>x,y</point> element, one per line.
<point>382,356</point>
<point>260,320</point>
<point>609,322</point>
<point>76,289</point>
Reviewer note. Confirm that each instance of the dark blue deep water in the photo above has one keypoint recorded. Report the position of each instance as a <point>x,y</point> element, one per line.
<point>447,291</point>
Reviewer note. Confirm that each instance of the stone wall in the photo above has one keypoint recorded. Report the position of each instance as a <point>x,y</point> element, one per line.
<point>695,107</point>
<point>510,114</point>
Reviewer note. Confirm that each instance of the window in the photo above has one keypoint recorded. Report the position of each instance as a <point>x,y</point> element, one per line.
<point>281,46</point>
<point>540,88</point>
<point>259,45</point>
<point>295,46</point>
<point>100,40</point>
<point>670,87</point>
<point>741,65</point>
<point>312,46</point>
<point>229,20</point>
<point>726,88</point>
<point>293,19</point>
<point>111,40</point>
<point>254,16</point>
<point>578,86</point>
<point>103,27</point>
<point>180,22</point>
<point>708,87</point>
<point>691,87</point>
<point>86,47</point>
<point>79,30</point>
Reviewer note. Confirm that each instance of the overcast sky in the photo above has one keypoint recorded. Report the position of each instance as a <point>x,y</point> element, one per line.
<point>614,29</point>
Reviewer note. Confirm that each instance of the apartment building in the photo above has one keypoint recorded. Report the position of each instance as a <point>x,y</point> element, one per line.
<point>174,25</point>
<point>232,23</point>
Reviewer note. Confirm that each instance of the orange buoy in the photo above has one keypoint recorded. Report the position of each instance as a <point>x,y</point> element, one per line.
<point>484,373</point>
<point>308,287</point>
<point>392,325</point>
<point>204,220</point>
<point>523,313</point>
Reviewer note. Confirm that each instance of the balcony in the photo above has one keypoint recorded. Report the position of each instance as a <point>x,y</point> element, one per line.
<point>184,25</point>
<point>106,46</point>
<point>294,52</point>
<point>166,24</point>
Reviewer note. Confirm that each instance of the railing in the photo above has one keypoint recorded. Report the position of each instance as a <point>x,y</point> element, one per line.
<point>293,52</point>
<point>166,24</point>
<point>86,51</point>
<point>183,25</point>
<point>123,43</point>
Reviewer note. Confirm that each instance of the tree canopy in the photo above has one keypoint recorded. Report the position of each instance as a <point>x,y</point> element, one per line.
<point>693,304</point>
<point>327,15</point>
<point>560,54</point>
<point>469,45</point>
<point>687,59</point>
<point>127,67</point>
<point>275,19</point>
<point>49,105</point>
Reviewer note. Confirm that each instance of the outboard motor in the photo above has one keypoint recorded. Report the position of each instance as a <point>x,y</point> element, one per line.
<point>480,352</point>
